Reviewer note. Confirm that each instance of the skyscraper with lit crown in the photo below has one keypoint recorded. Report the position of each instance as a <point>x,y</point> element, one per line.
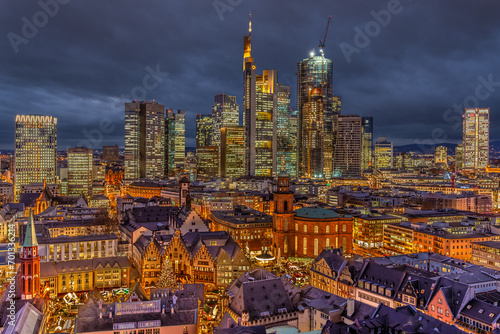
<point>315,76</point>
<point>36,150</point>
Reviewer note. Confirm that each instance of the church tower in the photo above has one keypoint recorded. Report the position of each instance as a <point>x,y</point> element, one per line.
<point>30,262</point>
<point>283,221</point>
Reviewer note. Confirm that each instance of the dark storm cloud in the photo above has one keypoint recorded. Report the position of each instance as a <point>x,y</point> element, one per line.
<point>86,59</point>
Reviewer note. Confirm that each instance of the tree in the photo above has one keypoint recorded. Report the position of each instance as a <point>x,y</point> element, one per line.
<point>167,277</point>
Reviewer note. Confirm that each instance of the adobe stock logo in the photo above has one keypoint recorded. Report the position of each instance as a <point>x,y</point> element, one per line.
<point>30,28</point>
<point>371,29</point>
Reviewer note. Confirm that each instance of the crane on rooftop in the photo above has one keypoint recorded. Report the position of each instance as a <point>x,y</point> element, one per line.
<point>323,41</point>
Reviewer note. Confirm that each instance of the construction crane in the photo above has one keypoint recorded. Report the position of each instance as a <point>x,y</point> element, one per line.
<point>323,41</point>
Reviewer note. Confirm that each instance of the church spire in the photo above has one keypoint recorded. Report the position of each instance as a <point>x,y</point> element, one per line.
<point>30,238</point>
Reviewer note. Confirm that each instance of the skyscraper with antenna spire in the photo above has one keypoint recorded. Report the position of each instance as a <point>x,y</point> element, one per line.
<point>260,103</point>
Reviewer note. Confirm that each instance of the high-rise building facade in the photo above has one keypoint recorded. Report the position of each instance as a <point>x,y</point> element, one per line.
<point>383,153</point>
<point>441,155</point>
<point>80,169</point>
<point>36,150</point>
<point>175,141</point>
<point>476,137</point>
<point>225,112</point>
<point>207,161</point>
<point>367,143</point>
<point>294,142</point>
<point>347,146</point>
<point>259,115</point>
<point>204,129</point>
<point>315,75</point>
<point>286,154</point>
<point>459,157</point>
<point>144,139</point>
<point>232,151</point>
<point>311,156</point>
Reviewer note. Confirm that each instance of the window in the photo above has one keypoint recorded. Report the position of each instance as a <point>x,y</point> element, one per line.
<point>344,228</point>
<point>316,246</point>
<point>327,228</point>
<point>316,229</point>
<point>327,242</point>
<point>296,227</point>
<point>304,246</point>
<point>305,229</point>
<point>285,225</point>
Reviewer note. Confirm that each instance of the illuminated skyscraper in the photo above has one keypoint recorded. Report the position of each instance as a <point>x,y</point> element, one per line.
<point>294,140</point>
<point>204,129</point>
<point>225,112</point>
<point>383,153</point>
<point>259,115</point>
<point>80,169</point>
<point>207,161</point>
<point>347,146</point>
<point>315,75</point>
<point>36,150</point>
<point>367,143</point>
<point>441,155</point>
<point>286,143</point>
<point>144,139</point>
<point>175,140</point>
<point>476,137</point>
<point>311,136</point>
<point>232,151</point>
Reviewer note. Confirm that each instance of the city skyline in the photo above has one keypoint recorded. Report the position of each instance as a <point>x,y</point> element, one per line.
<point>77,99</point>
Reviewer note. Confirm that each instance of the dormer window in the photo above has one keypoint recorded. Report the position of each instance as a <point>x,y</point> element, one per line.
<point>481,311</point>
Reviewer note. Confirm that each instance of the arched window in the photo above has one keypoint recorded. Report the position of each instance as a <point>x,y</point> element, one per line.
<point>336,242</point>
<point>296,243</point>
<point>296,227</point>
<point>305,228</point>
<point>344,244</point>
<point>327,242</point>
<point>285,245</point>
<point>285,205</point>
<point>316,246</point>
<point>285,225</point>
<point>29,284</point>
<point>344,228</point>
<point>29,269</point>
<point>316,229</point>
<point>336,228</point>
<point>327,228</point>
<point>304,246</point>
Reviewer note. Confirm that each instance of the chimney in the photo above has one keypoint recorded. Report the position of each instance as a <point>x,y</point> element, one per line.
<point>350,307</point>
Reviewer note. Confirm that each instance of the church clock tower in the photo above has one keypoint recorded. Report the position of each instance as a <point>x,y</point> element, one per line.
<point>283,222</point>
<point>30,262</point>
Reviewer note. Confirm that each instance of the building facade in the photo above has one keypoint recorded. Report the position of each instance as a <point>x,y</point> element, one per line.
<point>232,153</point>
<point>383,154</point>
<point>36,150</point>
<point>80,168</point>
<point>366,143</point>
<point>225,112</point>
<point>476,137</point>
<point>144,139</point>
<point>347,151</point>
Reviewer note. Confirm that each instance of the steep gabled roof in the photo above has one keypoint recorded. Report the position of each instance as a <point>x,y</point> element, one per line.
<point>30,238</point>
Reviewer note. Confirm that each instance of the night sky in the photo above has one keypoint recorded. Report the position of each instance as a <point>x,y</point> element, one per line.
<point>406,71</point>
